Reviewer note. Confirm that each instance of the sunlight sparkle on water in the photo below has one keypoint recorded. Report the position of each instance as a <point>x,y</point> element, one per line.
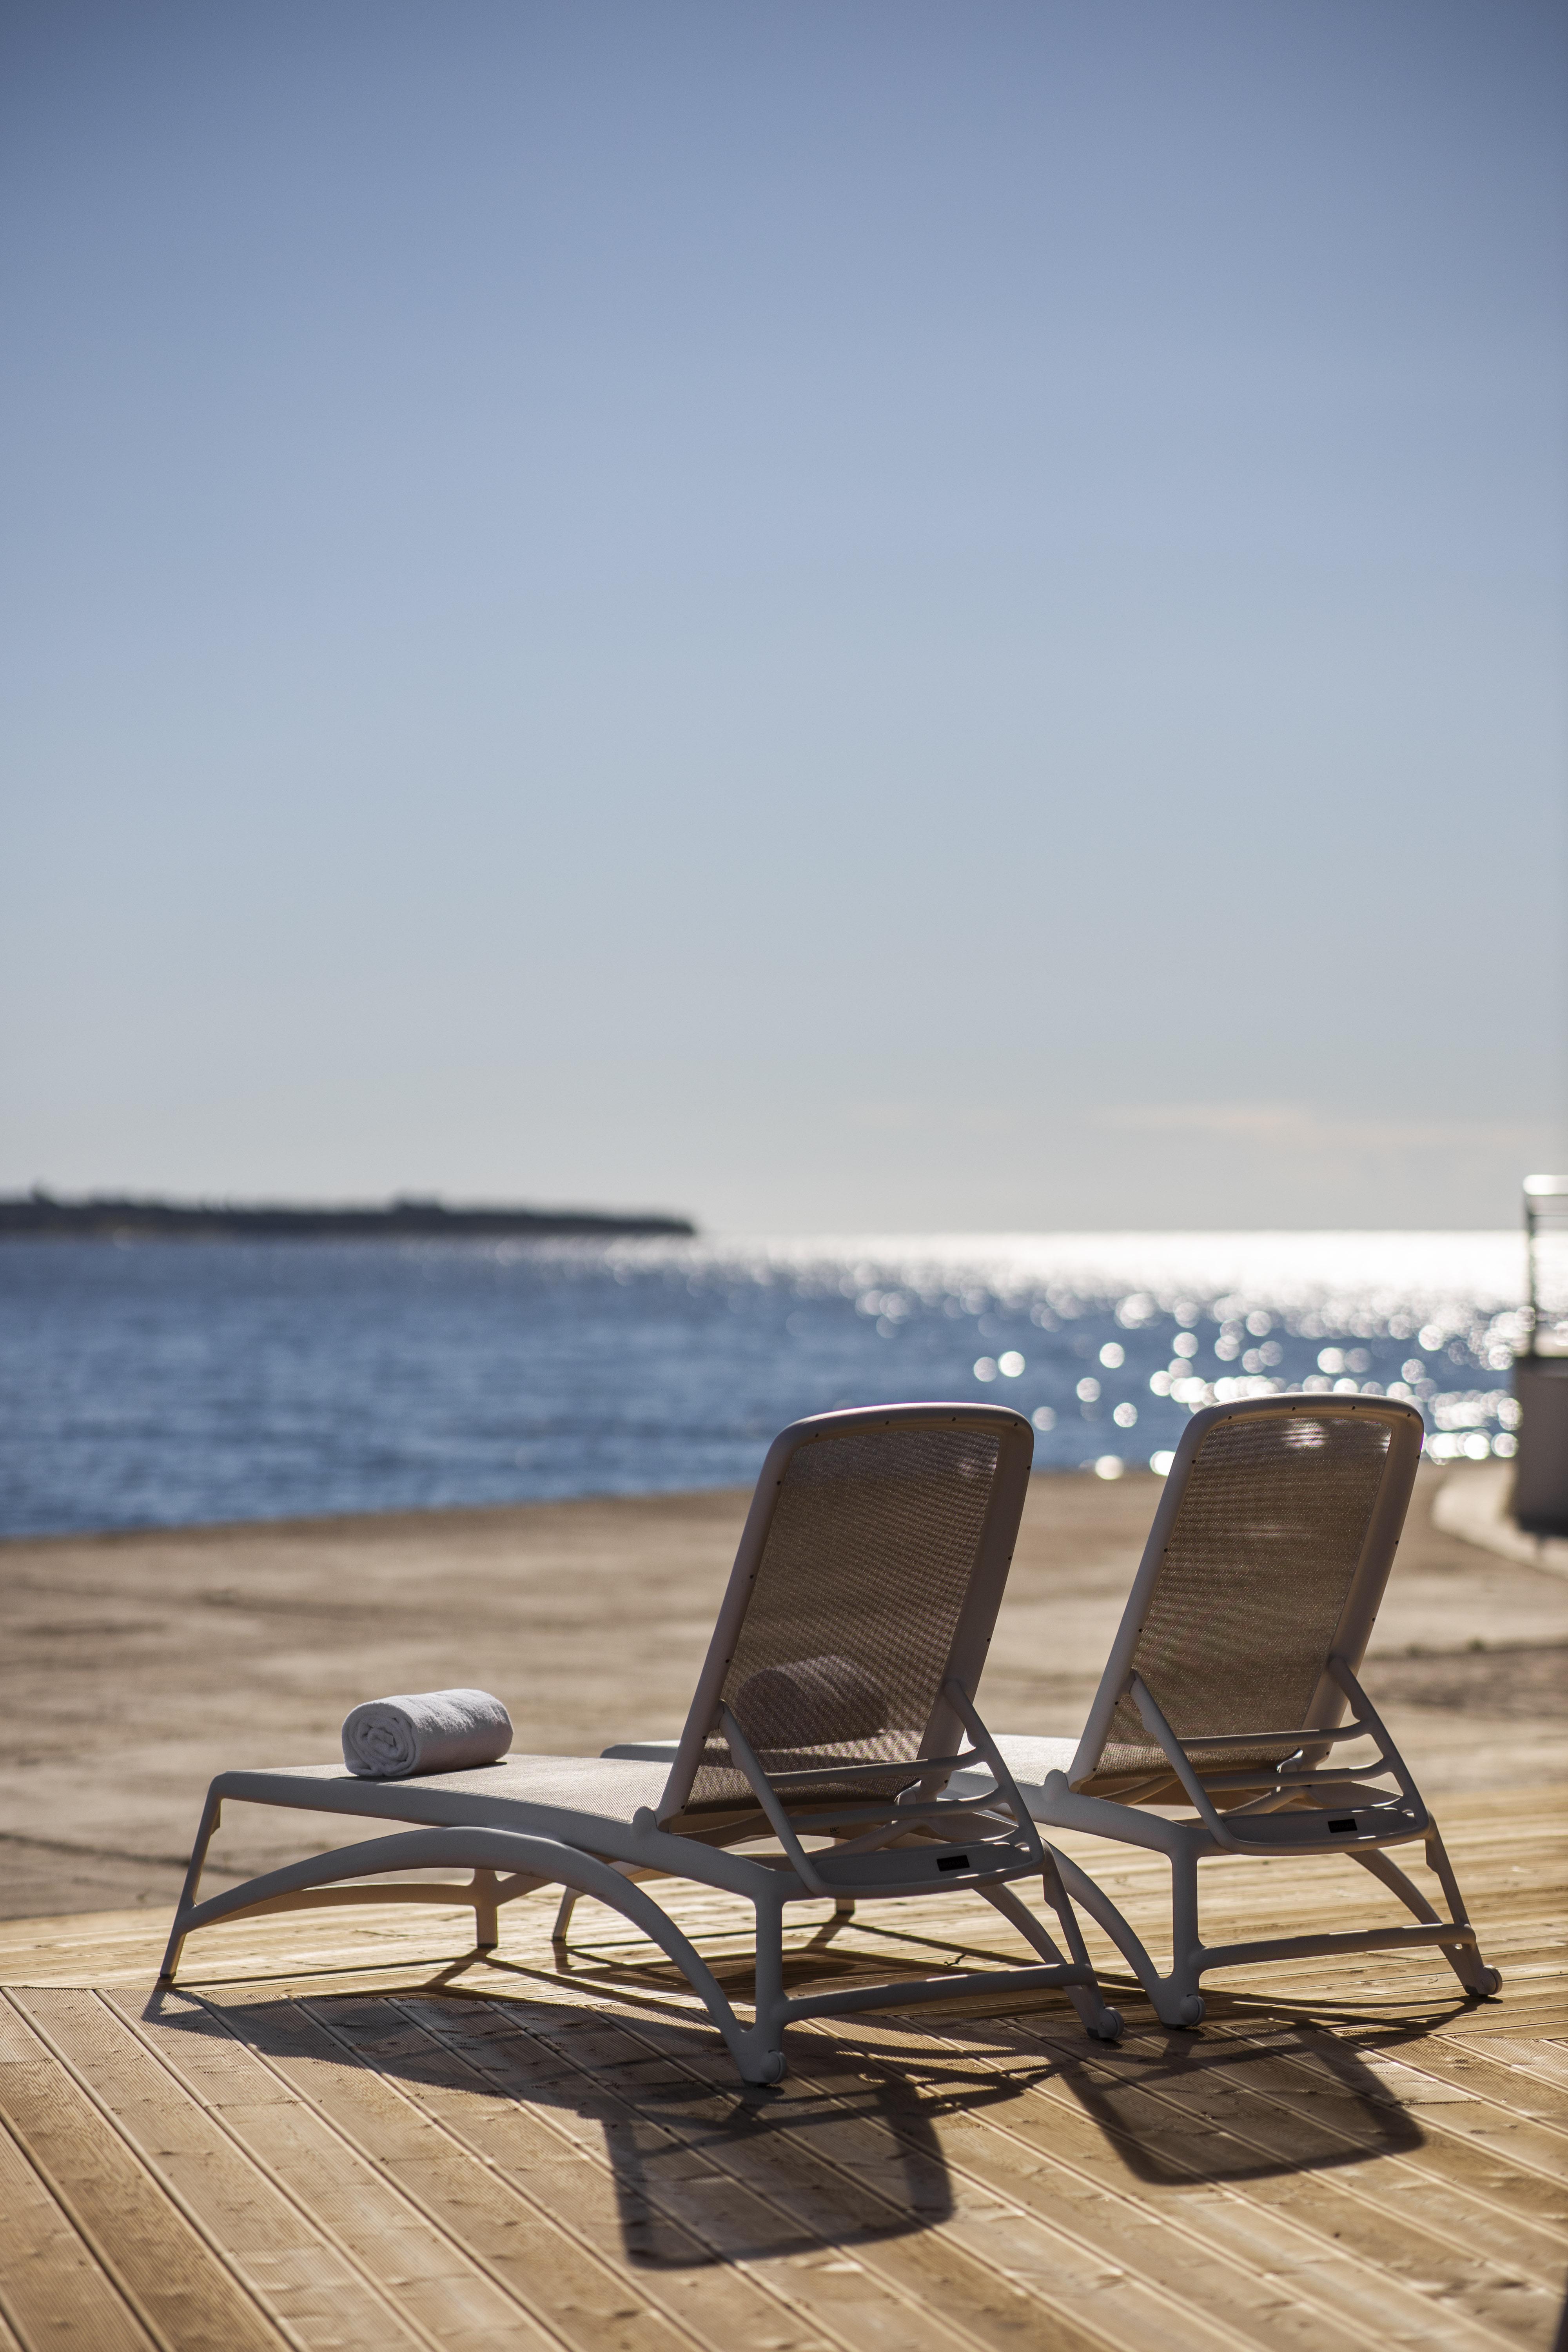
<point>168,1383</point>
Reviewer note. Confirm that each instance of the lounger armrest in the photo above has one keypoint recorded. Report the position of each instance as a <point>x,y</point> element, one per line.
<point>1218,1827</point>
<point>1389,1757</point>
<point>1006,1787</point>
<point>1175,1754</point>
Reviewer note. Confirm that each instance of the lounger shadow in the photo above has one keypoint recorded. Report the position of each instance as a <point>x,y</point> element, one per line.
<point>706,2171</point>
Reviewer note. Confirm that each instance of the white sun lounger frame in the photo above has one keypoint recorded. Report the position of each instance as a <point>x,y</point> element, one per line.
<point>1295,1803</point>
<point>513,1845</point>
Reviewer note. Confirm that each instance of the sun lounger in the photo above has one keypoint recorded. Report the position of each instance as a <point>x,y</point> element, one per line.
<point>1247,1619</point>
<point>1224,1698</point>
<point>849,1645</point>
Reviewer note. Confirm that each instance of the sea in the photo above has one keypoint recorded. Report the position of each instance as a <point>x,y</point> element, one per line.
<point>148,1384</point>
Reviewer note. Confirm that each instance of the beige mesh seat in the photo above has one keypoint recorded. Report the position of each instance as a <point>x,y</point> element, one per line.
<point>1223,1700</point>
<point>836,1703</point>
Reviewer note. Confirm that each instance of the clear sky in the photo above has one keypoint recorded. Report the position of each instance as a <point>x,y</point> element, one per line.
<point>845,614</point>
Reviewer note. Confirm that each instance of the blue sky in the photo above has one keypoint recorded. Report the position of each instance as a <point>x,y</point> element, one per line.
<point>832,615</point>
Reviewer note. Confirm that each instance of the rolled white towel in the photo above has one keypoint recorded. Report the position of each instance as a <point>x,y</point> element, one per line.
<point>425,1731</point>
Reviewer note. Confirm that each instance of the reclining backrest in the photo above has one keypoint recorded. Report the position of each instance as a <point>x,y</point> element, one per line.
<point>870,1570</point>
<point>1268,1554</point>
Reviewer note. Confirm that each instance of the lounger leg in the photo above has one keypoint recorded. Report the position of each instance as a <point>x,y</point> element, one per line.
<point>212,1813</point>
<point>573,1897</point>
<point>540,1861</point>
<point>1173,2002</point>
<point>1382,1866</point>
<point>1186,1944</point>
<point>763,2060</point>
<point>1462,1955</point>
<point>487,1912</point>
<point>1099,2019</point>
<point>1465,1959</point>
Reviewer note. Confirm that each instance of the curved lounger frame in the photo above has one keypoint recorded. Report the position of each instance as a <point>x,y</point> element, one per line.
<point>1217,1613</point>
<point>1302,1810</point>
<point>531,1862</point>
<point>852,1510</point>
<point>1174,1994</point>
<point>507,1863</point>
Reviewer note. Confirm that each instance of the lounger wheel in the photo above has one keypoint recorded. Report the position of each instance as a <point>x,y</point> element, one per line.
<point>1487,1982</point>
<point>1109,2026</point>
<point>1191,2011</point>
<point>762,2071</point>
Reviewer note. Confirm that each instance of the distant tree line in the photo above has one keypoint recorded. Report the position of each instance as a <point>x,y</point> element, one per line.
<point>38,1215</point>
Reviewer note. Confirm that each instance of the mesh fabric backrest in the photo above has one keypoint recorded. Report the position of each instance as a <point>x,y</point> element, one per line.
<point>1255,1573</point>
<point>870,1553</point>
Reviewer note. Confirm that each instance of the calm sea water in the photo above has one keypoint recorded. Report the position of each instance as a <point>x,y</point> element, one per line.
<point>159,1384</point>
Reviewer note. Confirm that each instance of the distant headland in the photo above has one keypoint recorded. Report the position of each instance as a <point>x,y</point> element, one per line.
<point>38,1216</point>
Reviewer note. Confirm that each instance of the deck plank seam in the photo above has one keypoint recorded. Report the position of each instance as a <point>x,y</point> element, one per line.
<point>1162,2218</point>
<point>8,2312</point>
<point>1380,2156</point>
<point>671,2214</point>
<point>1158,2288</point>
<point>1371,2012</point>
<point>1475,2052</point>
<point>808,2320</point>
<point>1488,2049</point>
<point>1281,2106</point>
<point>1467,2052</point>
<point>1399,2157</point>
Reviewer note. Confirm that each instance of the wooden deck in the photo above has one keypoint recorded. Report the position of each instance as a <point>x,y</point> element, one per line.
<point>330,2135</point>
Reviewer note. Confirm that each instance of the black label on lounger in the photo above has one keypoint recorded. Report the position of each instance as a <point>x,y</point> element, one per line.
<point>952,1862</point>
<point>1343,1826</point>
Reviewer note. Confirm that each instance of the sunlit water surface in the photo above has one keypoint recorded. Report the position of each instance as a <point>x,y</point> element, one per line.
<point>165,1383</point>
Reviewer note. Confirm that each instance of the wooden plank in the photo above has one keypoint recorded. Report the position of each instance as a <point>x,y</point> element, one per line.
<point>1348,2154</point>
<point>367,2269</point>
<point>1453,2130</point>
<point>290,2263</point>
<point>1354,2290</point>
<point>832,2276</point>
<point>890,2230</point>
<point>183,2295</point>
<point>608,2174</point>
<point>1535,2060</point>
<point>1211,2291</point>
<point>53,2291</point>
<point>1449,2069</point>
<point>815,2145</point>
<point>1174,2181</point>
<point>1534,2161</point>
<point>1371,2192</point>
<point>519,2240</point>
